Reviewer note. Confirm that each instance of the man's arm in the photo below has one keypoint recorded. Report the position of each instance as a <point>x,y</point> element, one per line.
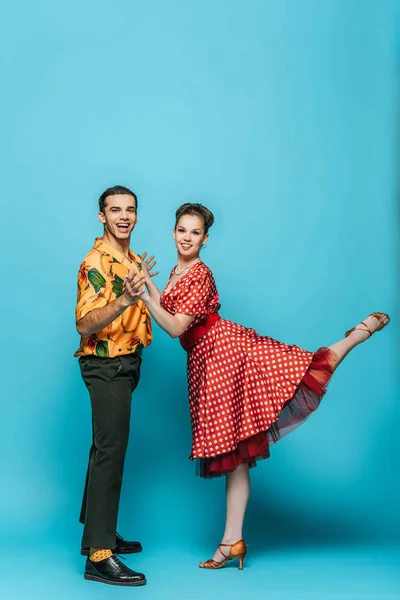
<point>98,318</point>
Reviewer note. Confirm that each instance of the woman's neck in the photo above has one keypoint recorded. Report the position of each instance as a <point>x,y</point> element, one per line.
<point>185,262</point>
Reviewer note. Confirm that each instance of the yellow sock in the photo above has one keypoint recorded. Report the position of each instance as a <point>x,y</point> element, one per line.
<point>98,554</point>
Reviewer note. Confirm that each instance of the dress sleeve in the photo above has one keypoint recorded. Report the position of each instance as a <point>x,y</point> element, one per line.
<point>91,288</point>
<point>193,300</point>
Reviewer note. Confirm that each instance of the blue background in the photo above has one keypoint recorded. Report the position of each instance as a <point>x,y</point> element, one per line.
<point>281,118</point>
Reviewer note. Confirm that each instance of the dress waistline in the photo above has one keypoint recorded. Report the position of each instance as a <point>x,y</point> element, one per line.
<point>189,340</point>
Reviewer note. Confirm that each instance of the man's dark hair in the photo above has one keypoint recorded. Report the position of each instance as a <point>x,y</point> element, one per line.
<point>112,191</point>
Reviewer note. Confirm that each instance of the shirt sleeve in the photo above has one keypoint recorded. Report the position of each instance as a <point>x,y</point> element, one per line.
<point>195,298</point>
<point>91,288</point>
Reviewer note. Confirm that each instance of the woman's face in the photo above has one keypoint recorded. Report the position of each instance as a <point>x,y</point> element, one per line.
<point>189,236</point>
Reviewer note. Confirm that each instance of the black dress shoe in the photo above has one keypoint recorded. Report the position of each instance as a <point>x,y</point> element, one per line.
<point>112,571</point>
<point>121,547</point>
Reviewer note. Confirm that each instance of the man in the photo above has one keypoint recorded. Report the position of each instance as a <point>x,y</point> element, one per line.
<point>114,326</point>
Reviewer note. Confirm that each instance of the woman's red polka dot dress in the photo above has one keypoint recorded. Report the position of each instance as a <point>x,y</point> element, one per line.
<point>245,390</point>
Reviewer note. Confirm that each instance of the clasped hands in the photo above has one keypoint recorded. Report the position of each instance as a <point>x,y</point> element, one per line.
<point>134,285</point>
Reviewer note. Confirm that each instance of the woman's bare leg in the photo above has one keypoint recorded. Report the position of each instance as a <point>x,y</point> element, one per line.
<point>356,337</point>
<point>237,495</point>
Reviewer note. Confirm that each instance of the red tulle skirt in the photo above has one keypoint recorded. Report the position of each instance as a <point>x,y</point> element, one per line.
<point>304,402</point>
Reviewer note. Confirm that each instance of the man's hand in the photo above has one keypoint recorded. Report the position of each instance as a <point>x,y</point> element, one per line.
<point>134,286</point>
<point>147,265</point>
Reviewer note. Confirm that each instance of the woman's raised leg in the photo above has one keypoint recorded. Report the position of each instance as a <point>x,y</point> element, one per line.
<point>358,335</point>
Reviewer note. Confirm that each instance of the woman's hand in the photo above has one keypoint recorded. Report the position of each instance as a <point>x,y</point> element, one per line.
<point>134,285</point>
<point>147,265</point>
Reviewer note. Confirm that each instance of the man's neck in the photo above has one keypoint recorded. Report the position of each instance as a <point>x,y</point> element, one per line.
<point>121,245</point>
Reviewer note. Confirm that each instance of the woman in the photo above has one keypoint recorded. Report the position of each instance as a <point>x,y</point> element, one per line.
<point>246,391</point>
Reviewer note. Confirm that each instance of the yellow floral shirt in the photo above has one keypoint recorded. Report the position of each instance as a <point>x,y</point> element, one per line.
<point>100,280</point>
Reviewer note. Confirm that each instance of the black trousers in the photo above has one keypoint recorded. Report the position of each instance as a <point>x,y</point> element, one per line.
<point>110,382</point>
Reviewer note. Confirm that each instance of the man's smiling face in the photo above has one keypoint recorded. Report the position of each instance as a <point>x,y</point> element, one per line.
<point>119,216</point>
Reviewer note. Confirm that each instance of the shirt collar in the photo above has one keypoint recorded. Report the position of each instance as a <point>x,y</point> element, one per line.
<point>101,246</point>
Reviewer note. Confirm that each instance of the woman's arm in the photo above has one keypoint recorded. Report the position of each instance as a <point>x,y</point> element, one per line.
<point>147,266</point>
<point>174,325</point>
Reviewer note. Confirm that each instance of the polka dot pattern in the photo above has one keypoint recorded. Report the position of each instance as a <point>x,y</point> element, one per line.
<point>238,380</point>
<point>98,554</point>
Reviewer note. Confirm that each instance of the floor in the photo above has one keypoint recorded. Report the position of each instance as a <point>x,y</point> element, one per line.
<point>320,573</point>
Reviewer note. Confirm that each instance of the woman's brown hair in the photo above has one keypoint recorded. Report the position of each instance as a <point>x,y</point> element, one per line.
<point>197,210</point>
